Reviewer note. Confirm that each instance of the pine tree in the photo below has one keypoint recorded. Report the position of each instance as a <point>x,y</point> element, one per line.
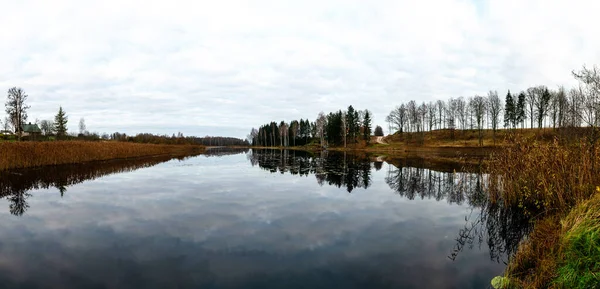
<point>60,123</point>
<point>378,131</point>
<point>520,109</point>
<point>509,111</point>
<point>367,127</point>
<point>350,124</point>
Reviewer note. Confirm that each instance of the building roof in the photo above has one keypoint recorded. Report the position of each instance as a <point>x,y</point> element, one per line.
<point>31,128</point>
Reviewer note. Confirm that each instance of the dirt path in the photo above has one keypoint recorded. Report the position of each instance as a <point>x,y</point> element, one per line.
<point>380,140</point>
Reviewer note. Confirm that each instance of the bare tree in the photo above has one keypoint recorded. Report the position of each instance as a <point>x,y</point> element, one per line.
<point>589,92</point>
<point>413,115</point>
<point>17,109</point>
<point>321,122</point>
<point>398,118</point>
<point>531,98</point>
<point>494,107</point>
<point>451,113</point>
<point>479,107</point>
<point>82,126</point>
<point>431,112</point>
<point>461,112</point>
<point>46,127</point>
<point>344,127</point>
<point>441,108</point>
<point>6,124</point>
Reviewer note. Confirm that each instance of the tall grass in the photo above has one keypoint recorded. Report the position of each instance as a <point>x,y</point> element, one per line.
<point>34,154</point>
<point>550,181</point>
<point>544,177</point>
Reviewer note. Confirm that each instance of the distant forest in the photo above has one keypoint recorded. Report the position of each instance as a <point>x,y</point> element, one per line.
<point>535,107</point>
<point>336,128</point>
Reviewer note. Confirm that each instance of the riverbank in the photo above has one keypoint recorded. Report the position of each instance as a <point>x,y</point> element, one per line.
<point>446,158</point>
<point>562,251</point>
<point>15,155</point>
<point>556,185</point>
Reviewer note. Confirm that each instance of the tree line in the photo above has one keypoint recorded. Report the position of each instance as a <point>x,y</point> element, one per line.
<point>535,107</point>
<point>16,118</point>
<point>336,128</point>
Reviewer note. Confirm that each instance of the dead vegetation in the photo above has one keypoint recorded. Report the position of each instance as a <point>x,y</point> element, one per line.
<point>34,154</point>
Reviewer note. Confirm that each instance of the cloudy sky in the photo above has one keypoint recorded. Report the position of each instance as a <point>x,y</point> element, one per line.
<point>222,67</point>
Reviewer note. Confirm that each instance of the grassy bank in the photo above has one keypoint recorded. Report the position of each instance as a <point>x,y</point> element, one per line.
<point>35,154</point>
<point>556,185</point>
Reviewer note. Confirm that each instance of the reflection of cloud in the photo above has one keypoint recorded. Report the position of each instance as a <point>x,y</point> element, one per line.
<point>209,67</point>
<point>169,225</point>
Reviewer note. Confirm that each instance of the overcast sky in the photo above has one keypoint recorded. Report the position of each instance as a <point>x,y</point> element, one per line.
<point>222,67</point>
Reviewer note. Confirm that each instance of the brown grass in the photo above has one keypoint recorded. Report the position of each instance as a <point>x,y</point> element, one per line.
<point>544,177</point>
<point>535,263</point>
<point>548,180</point>
<point>35,154</point>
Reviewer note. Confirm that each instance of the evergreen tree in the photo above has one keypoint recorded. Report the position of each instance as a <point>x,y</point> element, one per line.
<point>378,131</point>
<point>60,123</point>
<point>350,123</point>
<point>334,128</point>
<point>367,127</point>
<point>509,111</point>
<point>520,109</point>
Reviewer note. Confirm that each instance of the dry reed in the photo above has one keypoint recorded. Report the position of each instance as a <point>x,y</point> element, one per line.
<point>544,177</point>
<point>35,154</point>
<point>549,181</point>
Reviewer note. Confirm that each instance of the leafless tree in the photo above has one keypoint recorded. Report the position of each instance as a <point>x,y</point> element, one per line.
<point>344,127</point>
<point>479,107</point>
<point>441,109</point>
<point>17,109</point>
<point>6,124</point>
<point>461,112</point>
<point>495,108</point>
<point>431,113</point>
<point>531,97</point>
<point>82,126</point>
<point>589,92</point>
<point>398,118</point>
<point>321,122</point>
<point>413,115</point>
<point>46,127</point>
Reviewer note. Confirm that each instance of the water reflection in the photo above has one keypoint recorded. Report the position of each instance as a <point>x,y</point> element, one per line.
<point>226,222</point>
<point>223,151</point>
<point>500,228</point>
<point>346,170</point>
<point>15,184</point>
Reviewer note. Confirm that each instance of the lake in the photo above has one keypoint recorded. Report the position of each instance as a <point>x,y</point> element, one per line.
<point>251,219</point>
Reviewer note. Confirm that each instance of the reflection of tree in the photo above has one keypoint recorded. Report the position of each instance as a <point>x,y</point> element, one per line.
<point>223,151</point>
<point>15,184</point>
<point>501,228</point>
<point>337,169</point>
<point>18,203</point>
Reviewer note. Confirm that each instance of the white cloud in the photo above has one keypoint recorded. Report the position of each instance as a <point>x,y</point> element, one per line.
<point>221,67</point>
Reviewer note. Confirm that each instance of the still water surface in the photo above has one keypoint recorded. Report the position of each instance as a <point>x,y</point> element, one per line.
<point>250,219</point>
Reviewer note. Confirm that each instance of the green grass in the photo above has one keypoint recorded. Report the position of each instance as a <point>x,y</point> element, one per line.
<point>580,267</point>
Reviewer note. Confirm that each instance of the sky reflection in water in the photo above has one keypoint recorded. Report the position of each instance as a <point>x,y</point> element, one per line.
<point>228,222</point>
